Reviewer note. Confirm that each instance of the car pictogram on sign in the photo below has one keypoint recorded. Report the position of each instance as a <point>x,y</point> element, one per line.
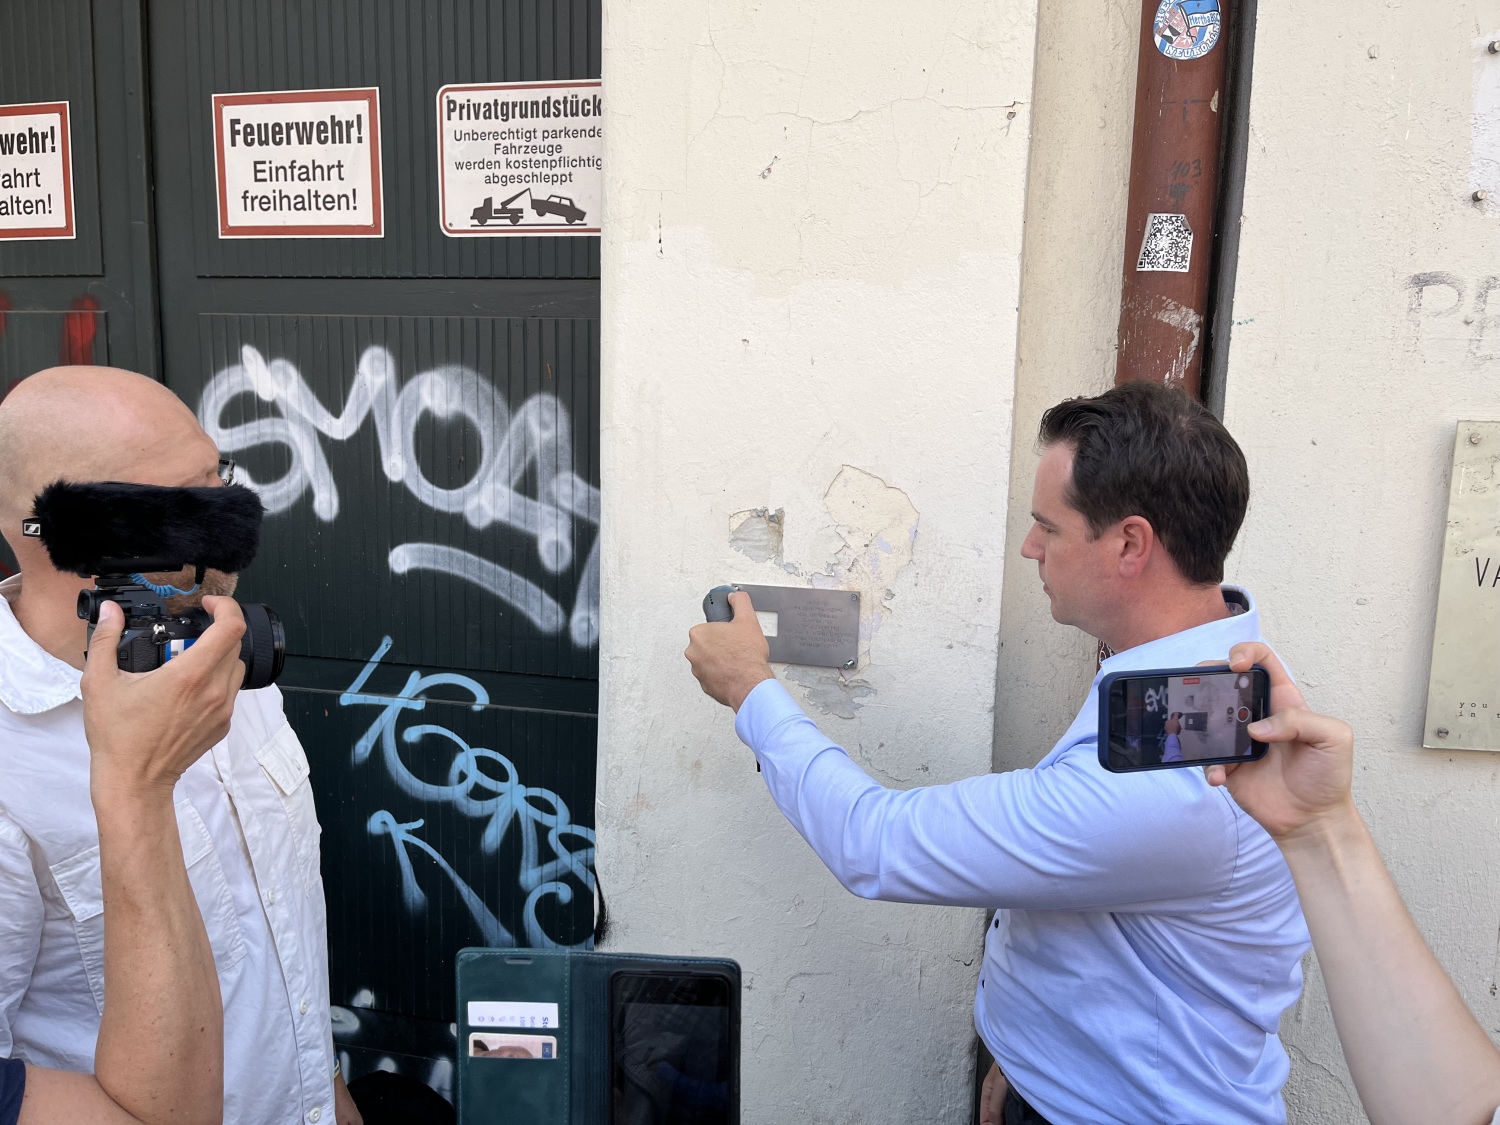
<point>559,205</point>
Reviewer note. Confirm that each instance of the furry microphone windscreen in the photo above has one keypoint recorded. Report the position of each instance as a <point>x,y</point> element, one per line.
<point>84,524</point>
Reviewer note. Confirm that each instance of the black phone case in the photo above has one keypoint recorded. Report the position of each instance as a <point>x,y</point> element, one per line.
<point>574,1088</point>
<point>1258,749</point>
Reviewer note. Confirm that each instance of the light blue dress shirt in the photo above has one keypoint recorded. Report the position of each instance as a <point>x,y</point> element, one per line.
<point>1147,935</point>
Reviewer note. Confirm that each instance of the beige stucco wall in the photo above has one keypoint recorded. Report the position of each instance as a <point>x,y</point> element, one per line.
<point>1346,404</point>
<point>811,272</point>
<point>1358,179</point>
<point>1070,310</point>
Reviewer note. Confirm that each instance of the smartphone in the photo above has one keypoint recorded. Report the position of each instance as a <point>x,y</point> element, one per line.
<point>1167,717</point>
<point>674,1049</point>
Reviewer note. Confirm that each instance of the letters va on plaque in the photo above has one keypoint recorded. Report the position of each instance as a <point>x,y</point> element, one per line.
<point>1463,692</point>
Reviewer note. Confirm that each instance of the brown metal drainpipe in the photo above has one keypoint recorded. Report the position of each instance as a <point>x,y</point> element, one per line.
<point>1174,191</point>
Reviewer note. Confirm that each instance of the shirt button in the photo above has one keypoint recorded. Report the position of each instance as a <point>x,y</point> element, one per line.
<point>302,1007</point>
<point>315,1114</point>
<point>271,896</point>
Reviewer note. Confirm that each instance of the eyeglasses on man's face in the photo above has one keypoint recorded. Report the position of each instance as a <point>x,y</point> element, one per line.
<point>226,470</point>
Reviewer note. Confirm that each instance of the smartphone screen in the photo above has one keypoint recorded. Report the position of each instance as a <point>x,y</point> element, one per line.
<point>1180,717</point>
<point>674,1050</point>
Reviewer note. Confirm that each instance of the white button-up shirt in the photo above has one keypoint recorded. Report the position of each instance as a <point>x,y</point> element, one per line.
<point>1147,937</point>
<point>250,838</point>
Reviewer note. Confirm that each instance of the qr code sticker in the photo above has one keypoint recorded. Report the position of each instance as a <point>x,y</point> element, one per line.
<point>1168,245</point>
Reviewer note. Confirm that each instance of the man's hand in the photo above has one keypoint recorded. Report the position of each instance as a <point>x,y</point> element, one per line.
<point>1304,782</point>
<point>992,1097</point>
<point>345,1112</point>
<point>144,730</point>
<point>730,657</point>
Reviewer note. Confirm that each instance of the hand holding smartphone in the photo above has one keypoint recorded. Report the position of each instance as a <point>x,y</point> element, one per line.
<point>1168,717</point>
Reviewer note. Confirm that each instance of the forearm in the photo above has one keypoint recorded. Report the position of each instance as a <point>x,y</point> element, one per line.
<point>1010,839</point>
<point>160,1053</point>
<point>1414,1049</point>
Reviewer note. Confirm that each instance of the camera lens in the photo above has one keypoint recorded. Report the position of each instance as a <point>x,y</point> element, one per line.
<point>263,647</point>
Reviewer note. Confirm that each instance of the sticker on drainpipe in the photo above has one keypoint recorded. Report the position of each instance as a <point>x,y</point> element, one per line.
<point>1187,29</point>
<point>1168,245</point>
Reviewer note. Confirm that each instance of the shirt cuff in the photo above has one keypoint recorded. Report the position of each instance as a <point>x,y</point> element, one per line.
<point>766,707</point>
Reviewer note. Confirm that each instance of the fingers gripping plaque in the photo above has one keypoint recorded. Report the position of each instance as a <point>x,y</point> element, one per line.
<point>819,628</point>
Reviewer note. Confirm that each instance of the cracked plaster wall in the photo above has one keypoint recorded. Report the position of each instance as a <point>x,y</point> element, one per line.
<point>1344,401</point>
<point>811,271</point>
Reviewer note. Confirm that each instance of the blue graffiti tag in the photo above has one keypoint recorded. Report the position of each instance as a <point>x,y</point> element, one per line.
<point>539,814</point>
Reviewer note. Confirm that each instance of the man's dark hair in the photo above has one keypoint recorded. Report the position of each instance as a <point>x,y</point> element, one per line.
<point>1146,449</point>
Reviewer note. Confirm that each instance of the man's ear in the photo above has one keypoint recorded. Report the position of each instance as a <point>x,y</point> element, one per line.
<point>1137,544</point>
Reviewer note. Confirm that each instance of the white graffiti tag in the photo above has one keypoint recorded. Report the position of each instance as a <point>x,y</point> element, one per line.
<point>540,815</point>
<point>1156,699</point>
<point>532,445</point>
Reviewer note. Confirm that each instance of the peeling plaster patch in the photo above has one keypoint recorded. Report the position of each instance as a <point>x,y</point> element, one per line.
<point>828,691</point>
<point>757,533</point>
<point>878,525</point>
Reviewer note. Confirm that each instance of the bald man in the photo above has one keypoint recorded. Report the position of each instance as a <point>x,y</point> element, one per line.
<point>244,810</point>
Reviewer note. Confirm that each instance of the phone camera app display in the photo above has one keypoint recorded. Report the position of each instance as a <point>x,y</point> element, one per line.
<point>1182,719</point>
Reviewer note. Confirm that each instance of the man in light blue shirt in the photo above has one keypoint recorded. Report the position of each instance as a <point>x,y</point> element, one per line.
<point>1147,935</point>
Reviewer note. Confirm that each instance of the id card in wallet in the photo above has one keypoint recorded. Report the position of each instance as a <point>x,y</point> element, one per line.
<point>625,1040</point>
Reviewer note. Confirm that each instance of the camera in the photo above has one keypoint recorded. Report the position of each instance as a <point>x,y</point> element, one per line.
<point>119,533</point>
<point>153,635</point>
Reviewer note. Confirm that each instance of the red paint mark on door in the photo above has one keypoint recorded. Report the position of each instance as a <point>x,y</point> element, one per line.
<point>79,329</point>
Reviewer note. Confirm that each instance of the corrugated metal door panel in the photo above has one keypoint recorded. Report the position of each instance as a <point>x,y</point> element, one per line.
<point>31,340</point>
<point>101,282</point>
<point>409,49</point>
<point>421,415</point>
<point>47,55</point>
<point>423,478</point>
<point>426,862</point>
<point>92,298</point>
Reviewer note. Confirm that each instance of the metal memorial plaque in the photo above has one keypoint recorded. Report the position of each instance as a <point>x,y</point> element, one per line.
<point>815,627</point>
<point>1463,693</point>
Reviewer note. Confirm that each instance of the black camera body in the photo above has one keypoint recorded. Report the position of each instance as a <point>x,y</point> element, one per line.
<point>117,533</point>
<point>153,635</point>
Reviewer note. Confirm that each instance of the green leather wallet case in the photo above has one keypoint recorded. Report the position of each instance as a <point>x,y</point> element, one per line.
<point>558,1037</point>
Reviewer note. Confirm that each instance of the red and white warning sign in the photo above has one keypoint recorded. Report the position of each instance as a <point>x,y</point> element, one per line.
<point>299,164</point>
<point>521,158</point>
<point>36,171</point>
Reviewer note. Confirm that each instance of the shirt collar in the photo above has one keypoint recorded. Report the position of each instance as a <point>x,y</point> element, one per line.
<point>32,680</point>
<point>1211,641</point>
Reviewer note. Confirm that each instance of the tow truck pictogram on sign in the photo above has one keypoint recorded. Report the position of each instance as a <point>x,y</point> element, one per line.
<point>509,211</point>
<point>487,211</point>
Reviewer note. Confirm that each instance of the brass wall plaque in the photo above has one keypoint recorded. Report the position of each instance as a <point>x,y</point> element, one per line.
<point>1463,691</point>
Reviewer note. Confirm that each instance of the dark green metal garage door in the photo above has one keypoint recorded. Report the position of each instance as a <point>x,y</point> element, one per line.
<point>420,415</point>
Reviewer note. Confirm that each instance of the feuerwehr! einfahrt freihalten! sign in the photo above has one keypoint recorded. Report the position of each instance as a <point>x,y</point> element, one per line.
<point>520,158</point>
<point>299,164</point>
<point>36,172</point>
